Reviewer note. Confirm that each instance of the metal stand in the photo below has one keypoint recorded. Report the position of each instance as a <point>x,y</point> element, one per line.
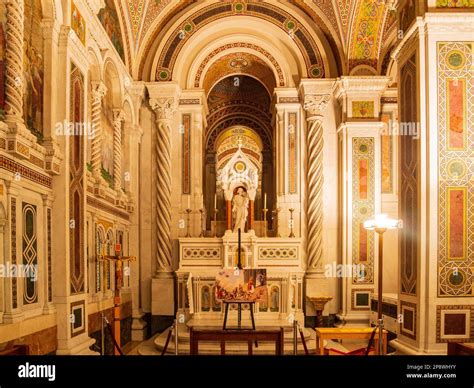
<point>239,314</point>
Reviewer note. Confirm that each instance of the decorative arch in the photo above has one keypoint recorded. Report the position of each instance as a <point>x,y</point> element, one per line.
<point>222,50</point>
<point>113,82</point>
<point>308,42</point>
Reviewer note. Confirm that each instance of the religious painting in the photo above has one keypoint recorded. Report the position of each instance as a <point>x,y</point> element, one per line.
<point>78,24</point>
<point>205,299</point>
<point>362,109</point>
<point>241,285</point>
<point>216,305</point>
<point>3,41</point>
<point>33,67</point>
<point>274,299</point>
<point>107,144</point>
<point>109,19</point>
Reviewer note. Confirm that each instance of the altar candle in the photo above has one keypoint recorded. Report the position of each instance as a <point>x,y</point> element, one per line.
<point>189,202</point>
<point>265,201</point>
<point>215,201</point>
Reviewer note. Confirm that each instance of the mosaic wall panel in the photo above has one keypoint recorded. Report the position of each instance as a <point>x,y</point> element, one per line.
<point>456,168</point>
<point>186,129</point>
<point>363,109</point>
<point>78,23</point>
<point>50,270</point>
<point>292,152</point>
<point>408,324</point>
<point>454,323</point>
<point>29,249</point>
<point>76,187</point>
<point>363,195</point>
<point>14,251</point>
<point>408,181</point>
<point>387,154</point>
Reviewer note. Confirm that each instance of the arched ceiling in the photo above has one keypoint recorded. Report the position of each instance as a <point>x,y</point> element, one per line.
<point>239,100</point>
<point>360,32</point>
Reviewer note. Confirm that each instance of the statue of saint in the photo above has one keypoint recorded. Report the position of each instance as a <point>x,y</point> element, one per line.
<point>240,204</point>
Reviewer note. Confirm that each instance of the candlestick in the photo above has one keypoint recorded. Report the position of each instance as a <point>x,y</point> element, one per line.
<point>277,222</point>
<point>203,223</point>
<point>188,212</point>
<point>265,226</point>
<point>215,222</point>
<point>291,223</point>
<point>189,202</point>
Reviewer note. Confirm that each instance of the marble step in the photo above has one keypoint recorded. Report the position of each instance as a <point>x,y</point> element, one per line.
<point>213,348</point>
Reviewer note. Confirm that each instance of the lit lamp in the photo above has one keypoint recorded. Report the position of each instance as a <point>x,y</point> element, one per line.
<point>380,224</point>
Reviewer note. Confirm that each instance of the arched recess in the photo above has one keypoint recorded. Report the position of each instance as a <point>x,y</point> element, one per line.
<point>207,23</point>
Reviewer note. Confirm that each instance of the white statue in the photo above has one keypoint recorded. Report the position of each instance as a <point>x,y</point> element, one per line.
<point>240,204</point>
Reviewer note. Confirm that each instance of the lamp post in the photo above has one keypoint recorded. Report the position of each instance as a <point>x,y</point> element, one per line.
<point>381,223</point>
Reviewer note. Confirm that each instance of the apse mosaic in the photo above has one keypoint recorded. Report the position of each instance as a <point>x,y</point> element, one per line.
<point>363,196</point>
<point>456,168</point>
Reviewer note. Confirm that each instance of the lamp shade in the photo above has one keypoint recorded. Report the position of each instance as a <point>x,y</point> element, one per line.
<point>381,221</point>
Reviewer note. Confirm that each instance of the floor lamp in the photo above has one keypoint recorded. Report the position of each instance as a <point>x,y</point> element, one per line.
<point>381,223</point>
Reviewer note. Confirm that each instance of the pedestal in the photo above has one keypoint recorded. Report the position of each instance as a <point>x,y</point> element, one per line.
<point>319,302</point>
<point>162,295</point>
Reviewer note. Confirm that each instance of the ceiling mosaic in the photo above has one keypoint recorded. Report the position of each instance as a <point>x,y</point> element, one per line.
<point>355,29</point>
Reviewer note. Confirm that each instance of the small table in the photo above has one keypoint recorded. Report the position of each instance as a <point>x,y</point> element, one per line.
<point>347,333</point>
<point>239,304</point>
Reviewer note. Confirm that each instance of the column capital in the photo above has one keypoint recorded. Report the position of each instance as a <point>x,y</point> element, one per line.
<point>164,107</point>
<point>99,90</point>
<point>118,116</point>
<point>316,95</point>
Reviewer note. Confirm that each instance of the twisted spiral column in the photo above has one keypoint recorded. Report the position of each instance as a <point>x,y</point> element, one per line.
<point>119,116</point>
<point>98,92</point>
<point>164,110</point>
<point>314,179</point>
<point>14,60</point>
<point>314,106</point>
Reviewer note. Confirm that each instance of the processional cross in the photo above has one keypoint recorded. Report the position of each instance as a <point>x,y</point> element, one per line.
<point>118,260</point>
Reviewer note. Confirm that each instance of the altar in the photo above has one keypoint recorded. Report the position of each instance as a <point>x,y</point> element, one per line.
<point>201,258</point>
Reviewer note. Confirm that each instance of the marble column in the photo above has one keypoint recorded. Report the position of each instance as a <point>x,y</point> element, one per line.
<point>314,105</point>
<point>164,99</point>
<point>118,118</point>
<point>14,61</point>
<point>98,92</point>
<point>164,109</point>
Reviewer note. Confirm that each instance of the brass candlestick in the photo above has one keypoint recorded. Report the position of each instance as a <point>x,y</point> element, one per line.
<point>277,221</point>
<point>188,213</point>
<point>291,223</point>
<point>264,222</point>
<point>203,223</point>
<point>215,222</point>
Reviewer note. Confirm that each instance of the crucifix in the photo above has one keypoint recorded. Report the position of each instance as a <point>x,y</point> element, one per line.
<point>118,260</point>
